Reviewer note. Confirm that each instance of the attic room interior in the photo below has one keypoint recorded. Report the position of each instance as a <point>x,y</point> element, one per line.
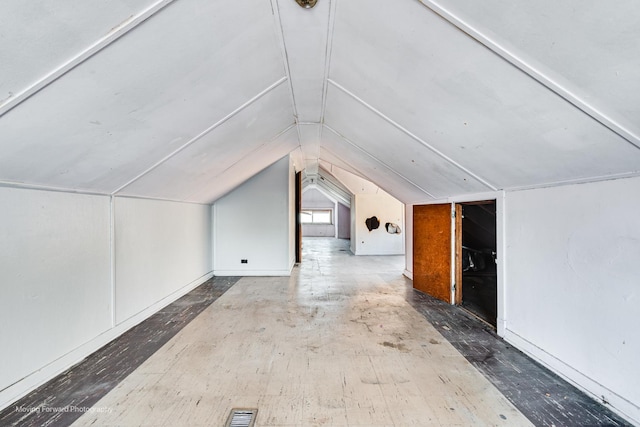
<point>188,177</point>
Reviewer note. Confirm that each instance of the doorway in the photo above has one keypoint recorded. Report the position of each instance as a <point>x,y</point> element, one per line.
<point>477,262</point>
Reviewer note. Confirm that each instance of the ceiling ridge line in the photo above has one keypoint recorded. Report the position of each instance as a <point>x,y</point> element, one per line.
<point>347,140</point>
<point>202,134</point>
<point>531,71</point>
<point>275,9</point>
<point>415,137</point>
<point>333,4</point>
<point>115,34</point>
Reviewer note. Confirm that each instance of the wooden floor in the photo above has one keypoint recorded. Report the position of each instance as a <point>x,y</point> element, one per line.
<point>344,341</point>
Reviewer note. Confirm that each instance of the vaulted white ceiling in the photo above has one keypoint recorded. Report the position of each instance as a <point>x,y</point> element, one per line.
<point>186,99</point>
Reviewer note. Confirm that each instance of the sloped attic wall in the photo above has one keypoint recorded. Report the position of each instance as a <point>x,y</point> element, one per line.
<point>186,99</point>
<point>148,102</point>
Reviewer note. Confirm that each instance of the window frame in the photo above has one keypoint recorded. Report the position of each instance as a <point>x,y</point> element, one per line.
<point>313,213</point>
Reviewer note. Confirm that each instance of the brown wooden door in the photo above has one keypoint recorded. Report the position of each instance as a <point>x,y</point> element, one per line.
<point>432,250</point>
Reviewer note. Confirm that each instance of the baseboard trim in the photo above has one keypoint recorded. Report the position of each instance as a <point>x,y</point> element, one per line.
<point>39,377</point>
<point>408,274</point>
<point>595,390</point>
<point>224,273</point>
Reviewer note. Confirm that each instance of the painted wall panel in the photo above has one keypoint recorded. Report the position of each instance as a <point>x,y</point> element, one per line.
<point>587,48</point>
<point>253,223</point>
<point>192,171</point>
<point>161,247</point>
<point>395,148</point>
<point>38,36</point>
<point>305,37</point>
<point>408,239</point>
<point>571,285</point>
<point>370,168</point>
<point>344,222</point>
<point>143,97</point>
<point>377,242</point>
<point>292,213</point>
<point>467,102</point>
<point>244,169</point>
<point>55,277</point>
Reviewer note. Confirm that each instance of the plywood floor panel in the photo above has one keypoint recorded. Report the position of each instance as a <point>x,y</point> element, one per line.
<point>329,346</point>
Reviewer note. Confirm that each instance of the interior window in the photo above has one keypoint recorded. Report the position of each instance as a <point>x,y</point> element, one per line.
<point>319,216</point>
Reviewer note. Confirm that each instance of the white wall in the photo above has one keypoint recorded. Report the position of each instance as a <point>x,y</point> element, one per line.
<point>58,257</point>
<point>253,222</point>
<point>377,242</point>
<point>572,285</point>
<point>343,216</point>
<point>292,211</point>
<point>408,241</point>
<point>55,277</point>
<point>161,247</point>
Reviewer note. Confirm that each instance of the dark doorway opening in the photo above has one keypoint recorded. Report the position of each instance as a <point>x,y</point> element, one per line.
<point>478,259</point>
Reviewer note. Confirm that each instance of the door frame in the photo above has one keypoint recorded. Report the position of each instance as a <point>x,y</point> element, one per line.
<point>501,253</point>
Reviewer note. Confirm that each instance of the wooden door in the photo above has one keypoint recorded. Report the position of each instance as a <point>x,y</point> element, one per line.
<point>432,250</point>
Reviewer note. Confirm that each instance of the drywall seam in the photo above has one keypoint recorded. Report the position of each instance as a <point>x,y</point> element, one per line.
<point>159,199</point>
<point>347,140</point>
<point>112,261</point>
<point>25,186</point>
<point>531,71</point>
<point>327,64</point>
<point>576,181</point>
<point>115,34</point>
<point>501,261</point>
<point>285,57</point>
<point>413,136</point>
<point>260,147</point>
<point>202,134</point>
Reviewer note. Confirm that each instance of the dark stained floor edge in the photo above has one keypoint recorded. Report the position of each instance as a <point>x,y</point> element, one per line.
<point>63,400</point>
<point>542,396</point>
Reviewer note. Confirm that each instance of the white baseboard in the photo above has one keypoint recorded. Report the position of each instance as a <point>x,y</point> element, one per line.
<point>408,274</point>
<point>34,380</point>
<point>222,273</point>
<point>597,391</point>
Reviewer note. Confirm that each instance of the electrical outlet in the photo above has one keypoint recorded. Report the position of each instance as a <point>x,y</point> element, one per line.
<point>244,261</point>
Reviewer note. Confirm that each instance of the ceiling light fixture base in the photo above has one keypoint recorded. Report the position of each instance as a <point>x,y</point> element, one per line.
<point>307,4</point>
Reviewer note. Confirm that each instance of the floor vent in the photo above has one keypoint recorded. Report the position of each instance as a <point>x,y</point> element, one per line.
<point>241,418</point>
